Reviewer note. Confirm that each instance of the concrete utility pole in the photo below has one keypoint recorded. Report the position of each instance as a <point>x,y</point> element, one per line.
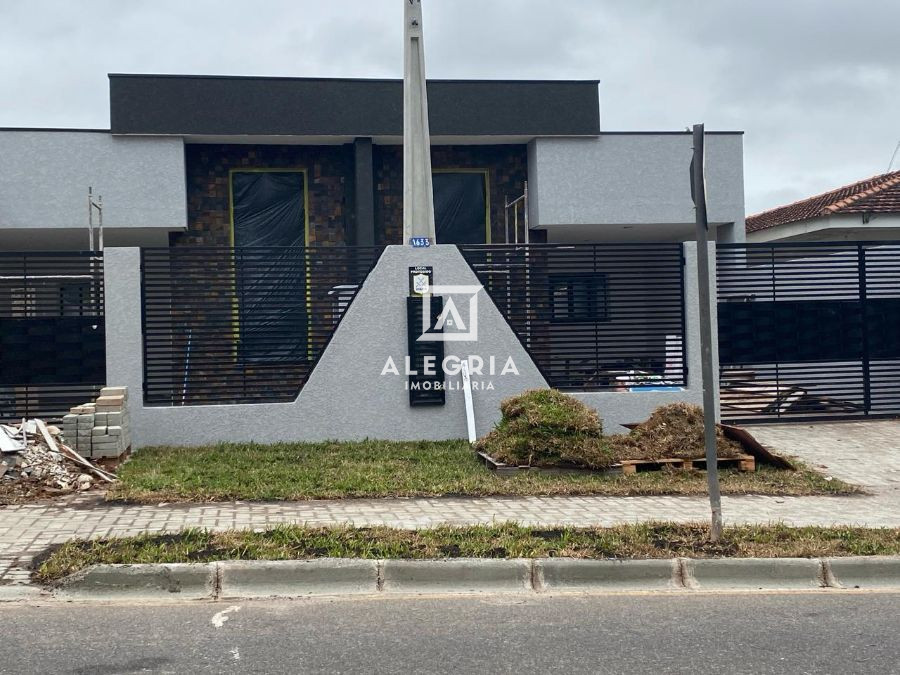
<point>698,192</point>
<point>418,198</point>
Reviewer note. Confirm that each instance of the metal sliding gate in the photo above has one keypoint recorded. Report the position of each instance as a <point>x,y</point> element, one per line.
<point>809,330</point>
<point>52,332</point>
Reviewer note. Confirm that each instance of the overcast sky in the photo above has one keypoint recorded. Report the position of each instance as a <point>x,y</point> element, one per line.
<point>815,84</point>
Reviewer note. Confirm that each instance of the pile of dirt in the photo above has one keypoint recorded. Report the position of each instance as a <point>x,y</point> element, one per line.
<point>546,428</point>
<point>673,431</point>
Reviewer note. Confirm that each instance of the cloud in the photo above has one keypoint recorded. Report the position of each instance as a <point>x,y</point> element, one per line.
<point>811,82</point>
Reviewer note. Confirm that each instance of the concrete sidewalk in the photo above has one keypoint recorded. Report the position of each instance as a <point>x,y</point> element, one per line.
<point>26,530</point>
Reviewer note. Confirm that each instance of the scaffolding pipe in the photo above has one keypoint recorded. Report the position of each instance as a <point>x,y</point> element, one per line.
<point>92,206</point>
<point>514,205</point>
<point>506,218</point>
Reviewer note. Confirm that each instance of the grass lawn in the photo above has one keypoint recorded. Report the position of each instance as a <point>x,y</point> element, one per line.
<point>291,542</point>
<point>297,471</point>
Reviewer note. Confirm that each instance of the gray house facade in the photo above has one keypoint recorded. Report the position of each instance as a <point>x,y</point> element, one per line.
<point>166,168</point>
<point>251,262</point>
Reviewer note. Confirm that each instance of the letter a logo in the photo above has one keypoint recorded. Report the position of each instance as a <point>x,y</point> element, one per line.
<point>449,317</point>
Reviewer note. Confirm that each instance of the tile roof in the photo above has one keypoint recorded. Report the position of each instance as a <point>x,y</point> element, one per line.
<point>878,194</point>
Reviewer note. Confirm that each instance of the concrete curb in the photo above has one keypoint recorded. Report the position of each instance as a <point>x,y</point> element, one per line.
<point>568,574</point>
<point>293,578</point>
<point>874,572</point>
<point>183,581</point>
<point>353,576</point>
<point>459,575</point>
<point>753,573</point>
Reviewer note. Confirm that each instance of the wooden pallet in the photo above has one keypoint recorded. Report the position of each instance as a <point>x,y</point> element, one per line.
<point>632,466</point>
<point>502,468</point>
<point>627,467</point>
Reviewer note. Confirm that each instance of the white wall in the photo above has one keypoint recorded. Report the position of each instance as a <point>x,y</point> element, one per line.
<point>45,174</point>
<point>838,227</point>
<point>634,179</point>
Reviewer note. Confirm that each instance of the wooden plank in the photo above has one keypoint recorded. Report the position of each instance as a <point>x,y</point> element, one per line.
<point>48,439</point>
<point>78,459</point>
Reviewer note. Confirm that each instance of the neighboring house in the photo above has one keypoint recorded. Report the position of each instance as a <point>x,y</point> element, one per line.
<point>196,160</point>
<point>868,210</point>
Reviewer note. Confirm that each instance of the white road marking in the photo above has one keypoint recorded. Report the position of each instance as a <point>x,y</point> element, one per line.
<point>220,618</point>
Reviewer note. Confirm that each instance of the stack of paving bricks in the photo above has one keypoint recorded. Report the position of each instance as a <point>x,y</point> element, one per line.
<point>100,429</point>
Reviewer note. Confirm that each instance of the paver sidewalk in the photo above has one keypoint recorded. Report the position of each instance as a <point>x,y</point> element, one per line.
<point>26,530</point>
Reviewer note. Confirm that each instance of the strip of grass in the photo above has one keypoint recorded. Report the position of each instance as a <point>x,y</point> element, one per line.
<point>294,542</point>
<point>298,471</point>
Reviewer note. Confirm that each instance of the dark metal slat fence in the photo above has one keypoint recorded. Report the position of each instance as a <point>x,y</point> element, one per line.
<point>594,317</point>
<point>809,330</point>
<point>52,332</point>
<point>242,325</point>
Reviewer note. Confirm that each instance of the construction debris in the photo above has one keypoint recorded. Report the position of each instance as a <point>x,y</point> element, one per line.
<point>34,453</point>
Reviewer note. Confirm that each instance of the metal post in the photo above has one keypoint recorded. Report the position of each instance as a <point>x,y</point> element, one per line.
<point>90,204</point>
<point>100,221</point>
<point>506,217</point>
<point>698,190</point>
<point>525,211</point>
<point>516,219</point>
<point>864,322</point>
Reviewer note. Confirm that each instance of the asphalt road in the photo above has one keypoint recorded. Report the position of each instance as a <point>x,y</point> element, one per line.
<point>750,633</point>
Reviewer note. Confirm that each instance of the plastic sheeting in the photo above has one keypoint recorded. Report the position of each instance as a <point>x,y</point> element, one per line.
<point>269,211</point>
<point>459,207</point>
<point>268,208</point>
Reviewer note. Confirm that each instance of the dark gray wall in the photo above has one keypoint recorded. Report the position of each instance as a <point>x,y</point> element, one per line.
<point>197,105</point>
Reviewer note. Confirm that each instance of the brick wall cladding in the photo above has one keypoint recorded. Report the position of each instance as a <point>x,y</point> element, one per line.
<point>507,167</point>
<point>329,182</point>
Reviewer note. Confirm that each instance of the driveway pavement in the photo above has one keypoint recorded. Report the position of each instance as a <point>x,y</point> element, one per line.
<point>865,453</point>
<point>862,452</point>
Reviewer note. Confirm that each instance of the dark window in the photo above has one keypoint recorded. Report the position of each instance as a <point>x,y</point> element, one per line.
<point>579,298</point>
<point>460,207</point>
<point>269,221</point>
<point>268,208</point>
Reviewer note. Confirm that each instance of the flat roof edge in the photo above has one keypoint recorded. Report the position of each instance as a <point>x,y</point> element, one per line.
<point>669,133</point>
<point>343,79</point>
<point>78,130</point>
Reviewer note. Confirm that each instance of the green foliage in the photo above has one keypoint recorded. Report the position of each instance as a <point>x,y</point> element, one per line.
<point>296,471</point>
<point>507,540</point>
